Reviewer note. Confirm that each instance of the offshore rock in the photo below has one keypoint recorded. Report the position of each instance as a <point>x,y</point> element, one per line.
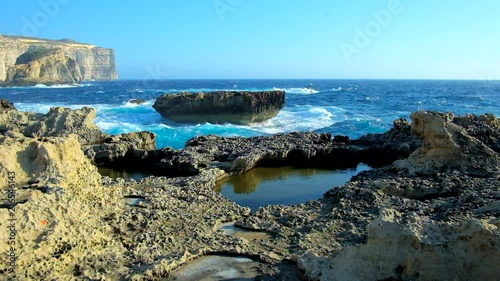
<point>238,107</point>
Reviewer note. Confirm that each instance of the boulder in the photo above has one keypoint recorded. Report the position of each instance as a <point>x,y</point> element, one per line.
<point>238,107</point>
<point>6,105</point>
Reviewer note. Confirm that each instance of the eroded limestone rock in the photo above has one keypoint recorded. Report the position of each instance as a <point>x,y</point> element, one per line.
<point>59,207</point>
<point>59,121</point>
<point>239,107</point>
<point>47,66</point>
<point>448,146</point>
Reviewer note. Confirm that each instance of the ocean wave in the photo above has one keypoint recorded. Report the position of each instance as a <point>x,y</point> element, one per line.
<point>118,127</point>
<point>146,103</point>
<point>59,86</point>
<point>298,91</point>
<point>297,119</point>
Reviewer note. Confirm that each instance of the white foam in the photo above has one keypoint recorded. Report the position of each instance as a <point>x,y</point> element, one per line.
<point>298,91</point>
<point>147,103</point>
<point>297,119</point>
<point>117,127</point>
<point>229,273</point>
<point>60,86</point>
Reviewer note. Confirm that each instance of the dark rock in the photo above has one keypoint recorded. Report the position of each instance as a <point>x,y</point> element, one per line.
<point>137,101</point>
<point>6,105</point>
<point>484,127</point>
<point>398,143</point>
<point>124,149</point>
<point>239,107</point>
<point>341,139</point>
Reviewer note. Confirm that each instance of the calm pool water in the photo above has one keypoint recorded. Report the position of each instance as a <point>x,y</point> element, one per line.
<point>272,186</point>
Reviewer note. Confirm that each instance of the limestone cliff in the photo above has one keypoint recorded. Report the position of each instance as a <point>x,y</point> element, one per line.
<point>44,66</point>
<point>20,58</point>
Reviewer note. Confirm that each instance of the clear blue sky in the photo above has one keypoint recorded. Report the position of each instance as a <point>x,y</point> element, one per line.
<point>445,39</point>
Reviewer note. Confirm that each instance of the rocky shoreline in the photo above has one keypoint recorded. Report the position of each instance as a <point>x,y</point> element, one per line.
<point>429,211</point>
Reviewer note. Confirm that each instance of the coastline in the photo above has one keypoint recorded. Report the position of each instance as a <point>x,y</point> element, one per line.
<point>436,202</point>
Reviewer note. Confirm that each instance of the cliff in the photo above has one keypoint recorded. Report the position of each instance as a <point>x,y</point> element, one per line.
<point>26,60</point>
<point>239,107</point>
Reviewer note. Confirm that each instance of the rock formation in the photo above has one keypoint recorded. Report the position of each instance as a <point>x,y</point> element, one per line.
<point>44,66</point>
<point>27,61</point>
<point>58,121</point>
<point>448,146</point>
<point>121,148</point>
<point>6,105</point>
<point>420,218</point>
<point>239,107</point>
<point>62,122</point>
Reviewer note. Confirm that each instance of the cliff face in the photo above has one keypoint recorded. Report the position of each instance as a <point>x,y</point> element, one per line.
<point>90,62</point>
<point>44,66</point>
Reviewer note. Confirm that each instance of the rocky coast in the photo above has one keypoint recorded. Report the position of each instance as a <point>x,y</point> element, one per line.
<point>27,61</point>
<point>429,210</point>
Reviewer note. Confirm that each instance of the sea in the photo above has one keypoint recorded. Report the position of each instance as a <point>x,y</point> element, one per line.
<point>339,107</point>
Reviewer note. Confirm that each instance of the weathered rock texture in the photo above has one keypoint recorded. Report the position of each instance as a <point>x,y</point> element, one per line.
<point>121,148</point>
<point>404,221</point>
<point>237,107</point>
<point>99,147</point>
<point>58,121</point>
<point>6,105</point>
<point>68,61</point>
<point>44,66</point>
<point>59,212</point>
<point>448,146</point>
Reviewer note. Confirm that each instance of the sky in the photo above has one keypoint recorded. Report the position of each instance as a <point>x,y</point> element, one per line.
<point>275,39</point>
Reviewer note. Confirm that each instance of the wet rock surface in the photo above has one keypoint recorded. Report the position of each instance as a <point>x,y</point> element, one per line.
<point>239,107</point>
<point>433,215</point>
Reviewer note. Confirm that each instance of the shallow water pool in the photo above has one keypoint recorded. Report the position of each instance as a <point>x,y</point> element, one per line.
<point>287,185</point>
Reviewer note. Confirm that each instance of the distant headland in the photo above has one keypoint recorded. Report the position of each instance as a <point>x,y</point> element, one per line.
<point>27,61</point>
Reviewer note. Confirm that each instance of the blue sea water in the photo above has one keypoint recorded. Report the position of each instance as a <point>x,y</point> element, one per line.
<point>347,107</point>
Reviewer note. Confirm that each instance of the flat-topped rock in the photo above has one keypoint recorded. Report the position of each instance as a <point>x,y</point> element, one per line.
<point>238,107</point>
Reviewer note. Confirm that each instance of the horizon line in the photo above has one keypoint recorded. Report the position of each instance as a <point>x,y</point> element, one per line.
<point>401,79</point>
